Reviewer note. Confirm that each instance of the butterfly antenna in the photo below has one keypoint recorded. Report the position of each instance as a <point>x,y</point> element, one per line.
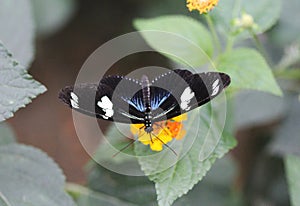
<point>144,133</point>
<point>170,148</point>
<point>128,145</point>
<point>161,127</point>
<point>124,148</point>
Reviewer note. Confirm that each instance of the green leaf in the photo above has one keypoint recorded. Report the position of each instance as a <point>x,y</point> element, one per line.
<point>108,156</point>
<point>248,70</point>
<point>86,197</point>
<point>264,12</point>
<point>29,177</point>
<point>180,38</point>
<point>131,189</point>
<point>205,150</point>
<point>17,29</point>
<point>6,134</point>
<point>292,166</point>
<point>115,140</point>
<point>3,201</point>
<point>174,175</point>
<point>120,176</point>
<point>17,87</point>
<point>288,74</point>
<point>51,15</point>
<point>216,188</point>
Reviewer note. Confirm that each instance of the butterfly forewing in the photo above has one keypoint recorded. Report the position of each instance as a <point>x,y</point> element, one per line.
<point>85,97</point>
<point>104,101</point>
<point>128,109</point>
<point>188,91</point>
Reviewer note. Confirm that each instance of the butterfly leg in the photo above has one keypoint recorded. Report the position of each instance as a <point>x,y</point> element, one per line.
<point>131,143</point>
<point>170,148</point>
<point>151,137</point>
<point>161,127</point>
<point>124,148</point>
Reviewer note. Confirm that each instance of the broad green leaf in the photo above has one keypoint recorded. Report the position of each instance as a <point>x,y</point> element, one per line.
<point>180,38</point>
<point>29,177</point>
<point>51,15</point>
<point>288,74</point>
<point>87,197</point>
<point>174,175</point>
<point>108,156</point>
<point>216,188</point>
<point>3,201</point>
<point>17,87</point>
<point>6,134</point>
<point>119,176</point>
<point>292,167</point>
<point>206,148</point>
<point>17,29</point>
<point>264,12</point>
<point>115,140</point>
<point>248,70</point>
<point>131,189</point>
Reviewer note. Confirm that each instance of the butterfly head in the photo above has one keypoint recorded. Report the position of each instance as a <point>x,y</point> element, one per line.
<point>148,128</point>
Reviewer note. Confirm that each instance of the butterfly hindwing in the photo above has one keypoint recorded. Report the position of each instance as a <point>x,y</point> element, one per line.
<point>128,98</point>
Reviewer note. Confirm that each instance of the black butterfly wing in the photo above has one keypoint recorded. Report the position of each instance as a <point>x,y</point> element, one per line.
<point>84,97</point>
<point>187,91</point>
<point>207,85</point>
<point>109,100</point>
<point>120,99</point>
<point>128,96</point>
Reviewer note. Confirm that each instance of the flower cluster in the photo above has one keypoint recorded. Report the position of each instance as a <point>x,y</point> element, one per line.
<point>203,6</point>
<point>163,132</point>
<point>246,21</point>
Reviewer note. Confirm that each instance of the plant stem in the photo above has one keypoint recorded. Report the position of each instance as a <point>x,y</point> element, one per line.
<point>229,45</point>
<point>259,46</point>
<point>213,32</point>
<point>293,74</point>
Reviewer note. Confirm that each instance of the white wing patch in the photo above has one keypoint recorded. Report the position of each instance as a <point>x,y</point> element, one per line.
<point>215,87</point>
<point>106,105</point>
<point>74,100</point>
<point>185,98</point>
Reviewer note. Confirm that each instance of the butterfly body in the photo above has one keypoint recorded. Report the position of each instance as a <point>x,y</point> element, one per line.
<point>145,83</point>
<point>145,101</point>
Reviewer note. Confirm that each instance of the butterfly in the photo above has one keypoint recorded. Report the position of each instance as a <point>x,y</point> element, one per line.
<point>145,100</point>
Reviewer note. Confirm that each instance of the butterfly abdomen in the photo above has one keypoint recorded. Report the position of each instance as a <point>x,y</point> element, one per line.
<point>147,104</point>
<point>146,92</point>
